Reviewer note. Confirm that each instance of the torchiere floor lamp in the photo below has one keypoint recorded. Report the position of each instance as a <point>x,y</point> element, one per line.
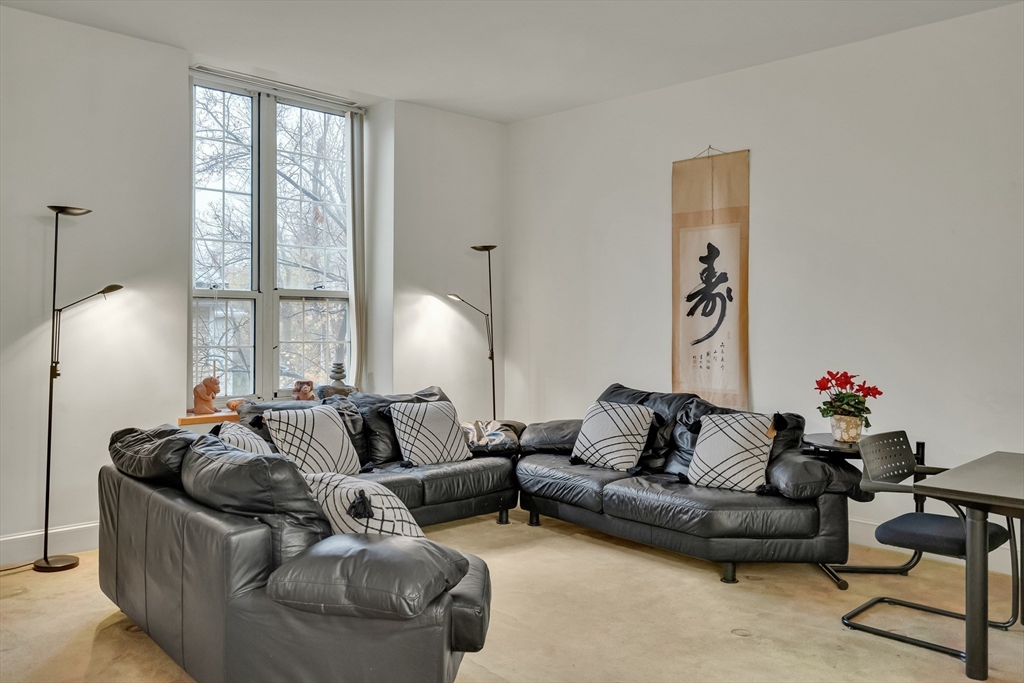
<point>58,563</point>
<point>488,321</point>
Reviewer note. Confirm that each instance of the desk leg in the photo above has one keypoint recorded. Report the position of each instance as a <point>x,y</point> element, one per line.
<point>977,594</point>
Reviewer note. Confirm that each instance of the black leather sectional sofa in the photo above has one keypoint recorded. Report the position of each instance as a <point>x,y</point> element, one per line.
<point>800,516</point>
<point>232,595</point>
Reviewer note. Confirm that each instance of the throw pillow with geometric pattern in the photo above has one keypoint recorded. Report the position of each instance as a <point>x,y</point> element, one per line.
<point>357,506</point>
<point>242,437</point>
<point>613,435</point>
<point>429,433</point>
<point>732,451</point>
<point>315,438</point>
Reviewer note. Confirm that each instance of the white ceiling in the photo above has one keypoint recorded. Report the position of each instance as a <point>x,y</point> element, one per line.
<point>498,60</point>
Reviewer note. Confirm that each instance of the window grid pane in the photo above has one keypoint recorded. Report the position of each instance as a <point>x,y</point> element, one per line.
<point>312,333</point>
<point>312,206</point>
<point>223,333</point>
<point>222,182</point>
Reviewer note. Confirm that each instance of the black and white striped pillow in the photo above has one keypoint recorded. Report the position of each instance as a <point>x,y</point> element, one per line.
<point>429,433</point>
<point>613,435</point>
<point>315,438</point>
<point>732,451</point>
<point>357,506</point>
<point>242,437</point>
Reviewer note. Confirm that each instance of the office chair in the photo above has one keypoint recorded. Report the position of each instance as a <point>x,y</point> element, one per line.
<point>889,460</point>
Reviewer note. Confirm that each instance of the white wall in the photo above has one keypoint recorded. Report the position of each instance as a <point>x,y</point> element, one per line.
<point>93,119</point>
<point>379,368</point>
<point>448,189</point>
<point>886,236</point>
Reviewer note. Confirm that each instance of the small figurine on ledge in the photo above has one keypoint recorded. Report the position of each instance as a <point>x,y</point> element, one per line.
<point>204,393</point>
<point>338,386</point>
<point>303,390</point>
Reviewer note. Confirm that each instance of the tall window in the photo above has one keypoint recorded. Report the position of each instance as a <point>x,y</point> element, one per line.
<point>271,237</point>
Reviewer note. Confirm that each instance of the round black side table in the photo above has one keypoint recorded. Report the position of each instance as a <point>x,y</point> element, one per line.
<point>825,444</point>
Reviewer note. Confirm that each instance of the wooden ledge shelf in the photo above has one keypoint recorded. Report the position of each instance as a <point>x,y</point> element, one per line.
<point>221,416</point>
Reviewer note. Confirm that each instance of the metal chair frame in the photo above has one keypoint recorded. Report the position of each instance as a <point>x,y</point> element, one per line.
<point>884,474</point>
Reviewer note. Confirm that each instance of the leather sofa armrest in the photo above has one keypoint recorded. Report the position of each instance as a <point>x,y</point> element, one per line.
<point>368,575</point>
<point>556,437</point>
<point>471,607</point>
<point>802,476</point>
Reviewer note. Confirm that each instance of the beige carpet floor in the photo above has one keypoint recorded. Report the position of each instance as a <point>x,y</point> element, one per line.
<point>570,604</point>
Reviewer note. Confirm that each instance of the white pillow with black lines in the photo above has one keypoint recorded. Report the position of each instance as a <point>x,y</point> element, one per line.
<point>613,435</point>
<point>242,437</point>
<point>314,438</point>
<point>732,451</point>
<point>357,506</point>
<point>429,432</point>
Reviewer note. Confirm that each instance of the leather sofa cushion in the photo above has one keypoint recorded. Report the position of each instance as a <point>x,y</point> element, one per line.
<point>803,476</point>
<point>381,442</point>
<point>551,476</point>
<point>268,487</point>
<point>471,607</point>
<point>394,477</point>
<point>447,481</point>
<point>556,436</point>
<point>662,501</point>
<point>368,575</point>
<point>152,454</point>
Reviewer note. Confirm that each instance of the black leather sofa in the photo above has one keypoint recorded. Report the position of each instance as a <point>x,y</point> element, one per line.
<point>433,493</point>
<point>801,516</point>
<point>196,580</point>
<point>232,595</point>
<point>234,573</point>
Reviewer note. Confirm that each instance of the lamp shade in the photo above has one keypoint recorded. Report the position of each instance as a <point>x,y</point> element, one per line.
<point>69,210</point>
<point>110,288</point>
<point>455,297</point>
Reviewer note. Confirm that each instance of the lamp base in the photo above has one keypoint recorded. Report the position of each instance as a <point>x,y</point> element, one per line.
<point>56,563</point>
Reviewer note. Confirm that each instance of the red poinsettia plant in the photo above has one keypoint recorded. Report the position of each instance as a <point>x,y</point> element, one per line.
<point>845,397</point>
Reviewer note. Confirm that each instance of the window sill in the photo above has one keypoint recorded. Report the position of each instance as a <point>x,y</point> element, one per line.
<point>220,416</point>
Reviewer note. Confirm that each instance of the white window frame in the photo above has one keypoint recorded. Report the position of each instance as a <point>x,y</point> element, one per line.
<point>265,294</point>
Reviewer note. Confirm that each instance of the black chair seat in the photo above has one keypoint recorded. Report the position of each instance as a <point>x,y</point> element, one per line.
<point>938,534</point>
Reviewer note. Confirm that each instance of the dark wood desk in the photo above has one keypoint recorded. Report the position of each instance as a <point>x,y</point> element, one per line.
<point>993,483</point>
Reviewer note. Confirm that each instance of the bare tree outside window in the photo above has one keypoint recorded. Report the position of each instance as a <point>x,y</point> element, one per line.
<point>222,235</point>
<point>312,240</point>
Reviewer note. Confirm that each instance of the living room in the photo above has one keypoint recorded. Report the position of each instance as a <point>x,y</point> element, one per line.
<point>882,149</point>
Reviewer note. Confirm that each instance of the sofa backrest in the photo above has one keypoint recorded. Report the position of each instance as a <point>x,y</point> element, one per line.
<point>172,565</point>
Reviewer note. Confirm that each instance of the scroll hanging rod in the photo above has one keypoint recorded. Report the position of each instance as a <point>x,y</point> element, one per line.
<point>708,152</point>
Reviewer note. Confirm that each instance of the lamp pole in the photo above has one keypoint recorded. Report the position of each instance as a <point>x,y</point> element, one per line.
<point>57,563</point>
<point>489,322</point>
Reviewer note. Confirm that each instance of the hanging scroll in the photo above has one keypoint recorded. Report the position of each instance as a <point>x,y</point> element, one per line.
<point>710,235</point>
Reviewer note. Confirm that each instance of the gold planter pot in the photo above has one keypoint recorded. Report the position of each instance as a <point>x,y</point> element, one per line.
<point>846,429</point>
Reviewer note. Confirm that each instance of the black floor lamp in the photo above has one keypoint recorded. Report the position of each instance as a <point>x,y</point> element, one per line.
<point>488,321</point>
<point>58,563</point>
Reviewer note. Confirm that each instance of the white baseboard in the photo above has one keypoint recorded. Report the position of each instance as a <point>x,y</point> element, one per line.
<point>28,546</point>
<point>862,532</point>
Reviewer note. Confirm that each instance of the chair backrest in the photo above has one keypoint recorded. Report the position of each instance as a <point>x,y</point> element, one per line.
<point>887,457</point>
